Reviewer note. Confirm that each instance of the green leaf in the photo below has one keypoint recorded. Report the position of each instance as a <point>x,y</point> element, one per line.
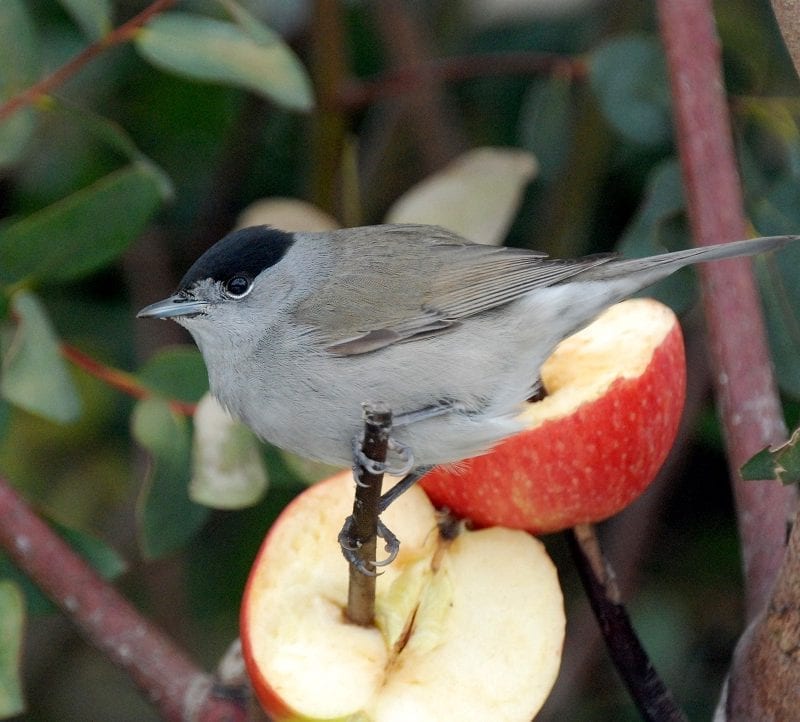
<point>476,195</point>
<point>114,136</point>
<point>14,134</point>
<point>779,462</point>
<point>12,628</point>
<point>168,519</point>
<point>104,559</point>
<point>250,23</point>
<point>777,212</point>
<point>5,417</point>
<point>19,48</point>
<point>663,200</point>
<point>759,467</point>
<point>659,225</point>
<point>82,232</point>
<point>773,204</point>
<point>228,470</point>
<point>94,551</point>
<point>176,373</point>
<point>628,76</point>
<point>93,16</point>
<point>202,48</point>
<point>35,601</point>
<point>777,277</point>
<point>19,68</point>
<point>34,375</point>
<point>546,123</point>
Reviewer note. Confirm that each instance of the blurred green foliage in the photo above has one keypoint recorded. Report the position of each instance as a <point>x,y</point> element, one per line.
<point>35,377</point>
<point>168,519</point>
<point>110,188</point>
<point>12,625</point>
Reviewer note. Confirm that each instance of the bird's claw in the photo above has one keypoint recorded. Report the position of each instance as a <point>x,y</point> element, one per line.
<point>347,538</point>
<point>391,547</point>
<point>350,545</point>
<point>371,466</point>
<point>406,457</point>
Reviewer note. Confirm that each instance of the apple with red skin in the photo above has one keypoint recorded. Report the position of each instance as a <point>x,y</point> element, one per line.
<point>469,628</point>
<point>615,393</point>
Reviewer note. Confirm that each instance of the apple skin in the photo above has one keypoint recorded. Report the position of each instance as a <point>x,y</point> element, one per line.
<point>583,467</point>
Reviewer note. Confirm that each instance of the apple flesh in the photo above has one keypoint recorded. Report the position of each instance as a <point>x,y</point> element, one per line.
<point>615,393</point>
<point>466,629</point>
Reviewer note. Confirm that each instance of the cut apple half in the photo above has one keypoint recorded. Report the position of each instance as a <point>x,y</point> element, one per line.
<point>466,629</point>
<point>615,393</point>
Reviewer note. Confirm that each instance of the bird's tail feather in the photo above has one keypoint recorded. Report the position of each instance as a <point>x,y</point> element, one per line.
<point>665,263</point>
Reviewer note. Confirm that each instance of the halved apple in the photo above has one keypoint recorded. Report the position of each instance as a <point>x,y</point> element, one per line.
<point>615,393</point>
<point>466,629</point>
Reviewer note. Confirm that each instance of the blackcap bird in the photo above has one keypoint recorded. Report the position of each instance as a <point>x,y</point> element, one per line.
<point>298,329</point>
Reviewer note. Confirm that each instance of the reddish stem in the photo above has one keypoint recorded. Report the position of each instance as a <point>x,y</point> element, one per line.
<point>435,126</point>
<point>116,37</point>
<point>120,380</point>
<point>170,680</point>
<point>746,391</point>
<point>405,80</point>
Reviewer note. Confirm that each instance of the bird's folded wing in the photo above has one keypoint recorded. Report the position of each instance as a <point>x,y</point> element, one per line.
<point>405,288</point>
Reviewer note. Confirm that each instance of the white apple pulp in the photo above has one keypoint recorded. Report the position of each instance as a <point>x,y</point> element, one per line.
<point>468,629</point>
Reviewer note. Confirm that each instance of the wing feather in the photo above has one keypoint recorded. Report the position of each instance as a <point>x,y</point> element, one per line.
<point>404,283</point>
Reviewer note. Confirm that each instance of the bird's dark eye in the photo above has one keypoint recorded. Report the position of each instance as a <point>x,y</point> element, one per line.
<point>237,286</point>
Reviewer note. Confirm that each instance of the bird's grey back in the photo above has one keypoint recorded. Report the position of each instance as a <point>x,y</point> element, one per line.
<point>395,283</point>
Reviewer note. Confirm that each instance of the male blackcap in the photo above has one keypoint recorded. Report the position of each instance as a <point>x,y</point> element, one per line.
<point>298,329</point>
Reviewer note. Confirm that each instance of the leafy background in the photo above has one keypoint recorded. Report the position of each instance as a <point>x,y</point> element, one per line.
<point>111,186</point>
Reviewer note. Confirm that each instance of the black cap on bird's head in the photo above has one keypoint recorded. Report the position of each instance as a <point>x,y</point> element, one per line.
<point>248,251</point>
<point>233,261</point>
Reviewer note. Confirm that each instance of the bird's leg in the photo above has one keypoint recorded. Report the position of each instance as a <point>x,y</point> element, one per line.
<point>428,412</point>
<point>349,539</point>
<point>360,531</point>
<point>402,486</point>
<point>371,466</point>
<point>413,475</point>
<point>350,544</point>
<point>403,451</point>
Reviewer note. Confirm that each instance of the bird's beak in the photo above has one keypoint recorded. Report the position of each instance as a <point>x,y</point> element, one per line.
<point>173,306</point>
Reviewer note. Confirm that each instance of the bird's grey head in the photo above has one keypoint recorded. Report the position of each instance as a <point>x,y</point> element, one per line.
<point>233,285</point>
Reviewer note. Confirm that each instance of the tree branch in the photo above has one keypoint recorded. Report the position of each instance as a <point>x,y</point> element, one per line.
<point>746,391</point>
<point>765,677</point>
<point>763,683</point>
<point>435,127</point>
<point>651,696</point>
<point>789,22</point>
<point>172,682</point>
<point>119,35</point>
<point>119,380</point>
<point>361,589</point>
<point>358,93</point>
<point>329,66</point>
